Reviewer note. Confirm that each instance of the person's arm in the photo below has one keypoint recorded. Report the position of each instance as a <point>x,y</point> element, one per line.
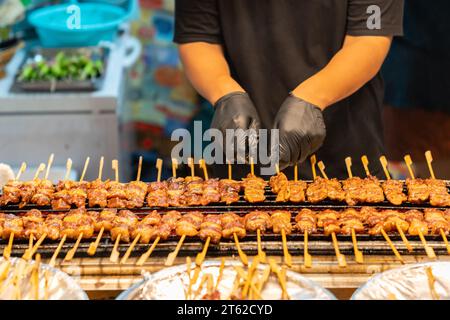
<point>207,70</point>
<point>359,60</point>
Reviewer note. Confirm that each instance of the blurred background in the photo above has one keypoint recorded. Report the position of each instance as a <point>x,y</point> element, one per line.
<point>127,105</point>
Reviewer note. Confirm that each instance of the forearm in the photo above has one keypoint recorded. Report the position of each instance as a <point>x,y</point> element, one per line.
<point>207,70</point>
<point>354,65</point>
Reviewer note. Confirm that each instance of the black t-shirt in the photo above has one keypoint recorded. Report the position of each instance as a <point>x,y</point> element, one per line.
<point>274,45</point>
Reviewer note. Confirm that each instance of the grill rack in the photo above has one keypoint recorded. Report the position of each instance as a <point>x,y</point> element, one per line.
<point>318,243</point>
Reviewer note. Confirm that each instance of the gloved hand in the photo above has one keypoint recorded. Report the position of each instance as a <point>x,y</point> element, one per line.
<point>301,130</point>
<point>236,111</point>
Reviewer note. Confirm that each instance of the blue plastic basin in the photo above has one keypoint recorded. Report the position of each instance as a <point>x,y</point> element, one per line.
<point>98,22</point>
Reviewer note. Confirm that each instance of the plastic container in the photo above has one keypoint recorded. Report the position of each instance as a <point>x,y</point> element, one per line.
<point>98,22</point>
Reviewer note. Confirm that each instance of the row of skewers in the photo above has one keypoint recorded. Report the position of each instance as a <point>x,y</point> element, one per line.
<point>197,191</point>
<point>125,226</point>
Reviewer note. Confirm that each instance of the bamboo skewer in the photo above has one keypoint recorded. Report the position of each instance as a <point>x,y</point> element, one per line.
<point>86,164</point>
<point>340,257</point>
<point>49,164</point>
<point>321,166</point>
<point>147,254</point>
<point>71,253</point>
<point>219,277</point>
<point>261,253</point>
<point>393,248</point>
<point>139,171</point>
<point>444,238</point>
<point>359,258</point>
<point>365,163</point>
<point>230,175</point>
<point>8,248</point>
<point>29,254</point>
<point>52,262</point>
<point>100,168</point>
<point>313,161</point>
<point>172,256</point>
<point>252,167</point>
<point>348,164</point>
<point>35,276</point>
<point>296,172</point>
<point>39,170</point>
<point>276,269</point>
<point>22,169</point>
<point>431,283</point>
<point>241,253</point>
<point>68,169</point>
<point>429,158</point>
<point>250,274</point>
<point>174,167</point>
<point>159,163</point>
<point>428,250</point>
<point>114,257</point>
<point>201,256</point>
<point>306,256</point>
<point>191,166</point>
<point>115,167</point>
<point>384,164</point>
<point>287,255</point>
<point>202,164</point>
<point>130,249</point>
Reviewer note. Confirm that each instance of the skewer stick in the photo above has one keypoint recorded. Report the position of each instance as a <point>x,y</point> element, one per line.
<point>4,271</point>
<point>39,170</point>
<point>191,166</point>
<point>86,164</point>
<point>276,269</point>
<point>313,161</point>
<point>287,255</point>
<point>147,254</point>
<point>296,172</point>
<point>115,253</point>
<point>252,167</point>
<point>428,250</point>
<point>187,292</point>
<point>265,276</point>
<point>277,168</point>
<point>174,167</point>
<point>241,253</point>
<point>359,258</point>
<point>23,167</point>
<point>444,238</point>
<point>130,249</point>
<point>321,166</point>
<point>203,166</point>
<point>365,163</point>
<point>261,253</point>
<point>230,175</point>
<point>393,248</point>
<point>340,257</point>
<point>307,257</point>
<point>35,276</point>
<point>71,253</point>
<point>201,256</point>
<point>408,162</point>
<point>384,164</point>
<point>348,164</point>
<point>171,257</point>
<point>100,168</point>
<point>30,243</point>
<point>250,274</point>
<point>404,239</point>
<point>8,248</point>
<point>219,277</point>
<point>138,177</point>
<point>431,282</point>
<point>49,164</point>
<point>94,245</point>
<point>159,163</point>
<point>28,255</point>
<point>68,169</point>
<point>115,167</point>
<point>52,262</point>
<point>429,158</point>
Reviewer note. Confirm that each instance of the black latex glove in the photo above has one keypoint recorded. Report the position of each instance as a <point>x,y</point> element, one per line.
<point>236,111</point>
<point>301,130</point>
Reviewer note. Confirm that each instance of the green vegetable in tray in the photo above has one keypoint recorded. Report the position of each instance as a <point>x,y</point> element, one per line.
<point>62,67</point>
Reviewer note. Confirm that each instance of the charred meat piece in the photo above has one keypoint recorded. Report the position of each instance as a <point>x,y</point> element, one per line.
<point>281,220</point>
<point>211,192</point>
<point>257,220</point>
<point>232,223</point>
<point>254,189</point>
<point>124,223</point>
<point>229,191</point>
<point>176,188</point>
<point>211,227</point>
<point>306,221</point>
<point>393,190</point>
<point>157,194</point>
<point>189,224</point>
<point>436,221</point>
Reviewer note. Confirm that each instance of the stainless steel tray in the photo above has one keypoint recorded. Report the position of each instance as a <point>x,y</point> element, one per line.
<point>170,284</point>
